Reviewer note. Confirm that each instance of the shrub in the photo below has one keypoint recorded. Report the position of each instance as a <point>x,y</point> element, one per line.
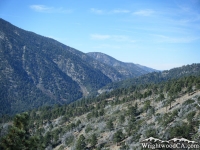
<point>189,101</point>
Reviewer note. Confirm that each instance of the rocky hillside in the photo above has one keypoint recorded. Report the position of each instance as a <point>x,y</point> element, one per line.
<point>123,118</point>
<point>37,70</point>
<point>127,70</point>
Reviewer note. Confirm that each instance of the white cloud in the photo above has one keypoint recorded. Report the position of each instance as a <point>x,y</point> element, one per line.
<point>168,39</point>
<point>46,9</point>
<point>41,8</point>
<point>146,12</point>
<point>97,11</point>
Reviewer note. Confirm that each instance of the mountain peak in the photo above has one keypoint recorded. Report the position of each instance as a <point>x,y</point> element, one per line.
<point>127,70</point>
<point>36,70</point>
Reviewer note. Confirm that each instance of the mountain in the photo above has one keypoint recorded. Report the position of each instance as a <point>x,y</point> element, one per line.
<point>147,68</point>
<point>127,70</point>
<point>36,70</point>
<point>124,119</point>
<point>155,77</point>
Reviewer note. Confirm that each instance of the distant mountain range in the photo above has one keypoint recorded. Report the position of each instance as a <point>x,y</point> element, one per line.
<point>127,70</point>
<point>36,71</point>
<point>155,77</point>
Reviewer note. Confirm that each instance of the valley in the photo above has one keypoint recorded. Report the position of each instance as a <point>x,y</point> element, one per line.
<point>54,97</point>
<point>122,118</point>
<point>37,71</point>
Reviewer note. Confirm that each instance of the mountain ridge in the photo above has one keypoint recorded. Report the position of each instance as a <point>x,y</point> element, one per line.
<point>38,70</point>
<point>156,77</point>
<point>128,70</point>
<point>34,66</point>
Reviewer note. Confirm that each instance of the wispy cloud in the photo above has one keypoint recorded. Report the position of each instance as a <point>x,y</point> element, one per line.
<point>117,38</point>
<point>97,11</point>
<point>188,14</point>
<point>47,9</point>
<point>168,39</point>
<point>41,8</point>
<point>145,12</point>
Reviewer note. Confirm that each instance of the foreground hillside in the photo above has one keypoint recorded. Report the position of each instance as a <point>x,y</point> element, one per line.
<point>122,118</point>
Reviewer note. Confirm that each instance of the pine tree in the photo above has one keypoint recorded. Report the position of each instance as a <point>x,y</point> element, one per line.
<point>81,143</point>
<point>109,125</point>
<point>18,137</point>
<point>118,136</point>
<point>93,140</point>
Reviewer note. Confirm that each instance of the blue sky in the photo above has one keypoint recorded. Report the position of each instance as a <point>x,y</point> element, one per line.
<point>157,33</point>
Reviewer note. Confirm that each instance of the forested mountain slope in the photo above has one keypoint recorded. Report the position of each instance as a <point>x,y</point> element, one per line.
<point>127,70</point>
<point>37,70</point>
<point>119,120</point>
<point>156,77</point>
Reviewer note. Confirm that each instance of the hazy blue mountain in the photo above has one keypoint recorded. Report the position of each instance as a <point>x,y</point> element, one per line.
<point>127,70</point>
<point>36,70</point>
<point>156,77</point>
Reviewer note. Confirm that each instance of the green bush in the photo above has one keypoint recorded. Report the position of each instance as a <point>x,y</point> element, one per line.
<point>118,136</point>
<point>190,116</point>
<point>189,101</point>
<point>181,131</point>
<point>88,129</point>
<point>69,140</point>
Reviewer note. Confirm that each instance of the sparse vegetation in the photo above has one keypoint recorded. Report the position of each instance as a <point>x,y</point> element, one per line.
<point>121,121</point>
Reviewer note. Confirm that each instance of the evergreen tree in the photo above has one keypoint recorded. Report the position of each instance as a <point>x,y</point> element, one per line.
<point>118,136</point>
<point>109,125</point>
<point>121,119</point>
<point>93,140</point>
<point>18,137</point>
<point>81,143</point>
